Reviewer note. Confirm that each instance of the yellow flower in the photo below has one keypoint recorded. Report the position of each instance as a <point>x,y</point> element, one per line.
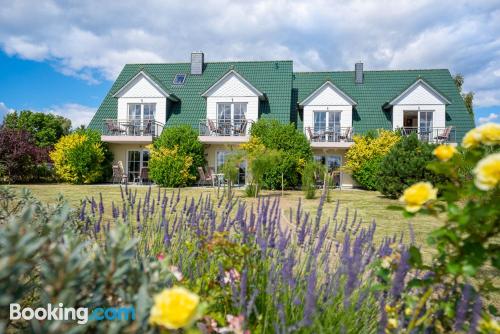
<point>444,152</point>
<point>471,138</point>
<point>487,134</point>
<point>490,134</point>
<point>417,195</point>
<point>174,308</point>
<point>392,323</point>
<point>487,172</point>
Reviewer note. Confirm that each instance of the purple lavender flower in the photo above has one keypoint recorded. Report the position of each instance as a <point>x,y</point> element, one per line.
<point>462,308</point>
<point>398,282</point>
<point>82,211</point>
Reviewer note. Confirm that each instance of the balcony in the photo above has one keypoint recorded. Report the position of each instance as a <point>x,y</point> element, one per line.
<point>131,131</point>
<point>330,137</point>
<point>431,135</point>
<point>226,131</point>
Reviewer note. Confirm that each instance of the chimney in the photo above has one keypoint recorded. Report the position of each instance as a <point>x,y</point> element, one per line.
<point>197,59</point>
<point>358,70</point>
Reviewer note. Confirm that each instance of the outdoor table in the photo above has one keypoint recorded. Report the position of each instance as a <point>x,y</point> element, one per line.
<point>219,178</point>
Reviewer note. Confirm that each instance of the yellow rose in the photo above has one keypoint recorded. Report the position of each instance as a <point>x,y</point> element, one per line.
<point>487,172</point>
<point>417,195</point>
<point>174,308</point>
<point>490,134</point>
<point>444,152</point>
<point>392,323</point>
<point>472,138</point>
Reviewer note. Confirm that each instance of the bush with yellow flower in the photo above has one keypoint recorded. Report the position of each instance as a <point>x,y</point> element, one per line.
<point>466,243</point>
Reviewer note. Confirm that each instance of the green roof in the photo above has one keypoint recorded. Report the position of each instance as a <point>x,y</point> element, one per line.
<point>380,87</point>
<point>283,89</point>
<point>273,78</point>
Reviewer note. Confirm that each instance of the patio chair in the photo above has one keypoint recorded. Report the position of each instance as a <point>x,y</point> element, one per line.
<point>204,178</point>
<point>240,129</point>
<point>143,176</point>
<point>313,136</point>
<point>123,175</point>
<point>117,176</point>
<point>147,128</point>
<point>346,135</point>
<point>113,128</point>
<point>444,136</point>
<point>213,128</point>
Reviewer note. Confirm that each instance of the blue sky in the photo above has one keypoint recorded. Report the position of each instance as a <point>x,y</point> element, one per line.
<point>62,57</point>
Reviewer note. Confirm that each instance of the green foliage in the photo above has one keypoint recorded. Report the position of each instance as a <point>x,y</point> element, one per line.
<point>404,165</point>
<point>363,158</point>
<point>309,173</point>
<point>81,157</point>
<point>46,128</point>
<point>465,253</point>
<point>368,173</point>
<point>294,147</point>
<point>467,97</point>
<point>169,167</point>
<point>185,138</point>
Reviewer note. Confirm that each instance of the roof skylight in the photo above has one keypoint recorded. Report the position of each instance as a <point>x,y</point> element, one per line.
<point>179,79</point>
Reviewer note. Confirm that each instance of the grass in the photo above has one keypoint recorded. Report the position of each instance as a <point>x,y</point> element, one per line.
<point>368,204</point>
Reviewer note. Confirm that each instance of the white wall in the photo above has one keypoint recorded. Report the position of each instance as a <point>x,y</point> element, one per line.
<point>419,95</point>
<point>327,99</point>
<point>141,90</point>
<point>232,89</point>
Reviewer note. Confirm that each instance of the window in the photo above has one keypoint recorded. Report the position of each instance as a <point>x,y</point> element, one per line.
<point>231,116</point>
<point>221,158</point>
<point>140,119</point>
<point>179,79</point>
<point>327,123</point>
<point>333,163</point>
<point>425,125</point>
<point>136,159</point>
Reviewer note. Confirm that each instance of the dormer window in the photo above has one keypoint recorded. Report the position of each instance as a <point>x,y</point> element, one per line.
<point>179,79</point>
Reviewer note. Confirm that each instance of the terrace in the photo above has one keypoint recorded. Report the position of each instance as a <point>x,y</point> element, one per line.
<point>330,136</point>
<point>131,130</point>
<point>431,134</point>
<point>224,131</point>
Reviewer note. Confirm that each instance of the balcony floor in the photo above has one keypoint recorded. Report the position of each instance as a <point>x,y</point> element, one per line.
<point>223,139</point>
<point>127,139</point>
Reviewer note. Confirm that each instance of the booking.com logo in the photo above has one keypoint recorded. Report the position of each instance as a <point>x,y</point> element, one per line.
<point>81,314</point>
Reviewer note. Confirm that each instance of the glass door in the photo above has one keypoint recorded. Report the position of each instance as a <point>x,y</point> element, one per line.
<point>224,118</point>
<point>333,126</point>
<point>136,159</point>
<point>425,125</point>
<point>134,118</point>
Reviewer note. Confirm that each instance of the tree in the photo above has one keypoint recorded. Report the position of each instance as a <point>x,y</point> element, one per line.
<point>363,158</point>
<point>404,165</point>
<point>19,155</point>
<point>45,128</point>
<point>467,97</point>
<point>168,167</point>
<point>81,157</point>
<point>293,147</point>
<point>185,140</point>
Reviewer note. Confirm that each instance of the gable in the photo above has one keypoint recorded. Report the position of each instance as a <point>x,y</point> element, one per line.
<point>419,93</point>
<point>328,95</point>
<point>234,85</point>
<point>141,86</point>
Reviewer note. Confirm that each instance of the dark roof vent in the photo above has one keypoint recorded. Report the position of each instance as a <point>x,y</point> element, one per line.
<point>197,59</point>
<point>358,70</point>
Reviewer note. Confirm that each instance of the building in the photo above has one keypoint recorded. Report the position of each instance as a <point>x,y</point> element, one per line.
<point>223,99</point>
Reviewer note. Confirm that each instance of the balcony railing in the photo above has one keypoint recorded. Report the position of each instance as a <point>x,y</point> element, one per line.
<point>330,135</point>
<point>431,135</point>
<point>146,127</point>
<point>212,127</point>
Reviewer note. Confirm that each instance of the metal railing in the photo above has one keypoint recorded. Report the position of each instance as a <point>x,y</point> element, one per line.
<point>124,127</point>
<point>330,135</point>
<point>212,127</point>
<point>432,135</point>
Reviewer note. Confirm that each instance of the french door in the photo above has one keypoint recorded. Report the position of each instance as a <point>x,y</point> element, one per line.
<point>425,125</point>
<point>327,123</point>
<point>136,159</point>
<point>141,116</point>
<point>231,116</point>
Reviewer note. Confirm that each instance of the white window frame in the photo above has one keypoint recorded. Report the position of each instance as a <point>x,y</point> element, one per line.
<point>327,118</point>
<point>141,161</point>
<point>232,104</point>
<point>142,111</point>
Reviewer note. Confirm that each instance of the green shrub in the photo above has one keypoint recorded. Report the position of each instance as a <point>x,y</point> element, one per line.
<point>169,167</point>
<point>81,157</point>
<point>185,138</point>
<point>404,165</point>
<point>368,173</point>
<point>311,169</point>
<point>362,158</point>
<point>293,146</point>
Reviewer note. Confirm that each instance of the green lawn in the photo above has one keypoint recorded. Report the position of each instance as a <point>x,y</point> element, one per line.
<point>369,205</point>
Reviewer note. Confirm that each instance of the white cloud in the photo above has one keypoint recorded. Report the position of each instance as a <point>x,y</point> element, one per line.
<point>490,118</point>
<point>4,110</point>
<point>318,35</point>
<point>77,113</point>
